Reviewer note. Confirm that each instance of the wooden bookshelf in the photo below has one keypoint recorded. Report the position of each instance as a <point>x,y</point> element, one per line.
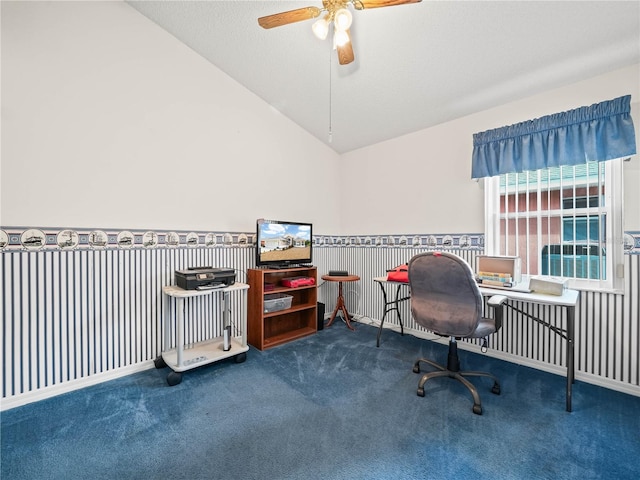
<point>269,329</point>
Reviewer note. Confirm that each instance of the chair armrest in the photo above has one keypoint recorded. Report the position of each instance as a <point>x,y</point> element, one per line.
<point>496,300</point>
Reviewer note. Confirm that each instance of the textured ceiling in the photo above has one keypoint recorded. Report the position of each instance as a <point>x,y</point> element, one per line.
<point>415,65</point>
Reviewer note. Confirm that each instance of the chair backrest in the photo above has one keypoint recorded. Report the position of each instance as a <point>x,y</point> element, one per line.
<point>445,297</point>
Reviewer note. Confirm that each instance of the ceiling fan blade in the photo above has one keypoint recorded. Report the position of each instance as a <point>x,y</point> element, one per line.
<point>362,4</point>
<point>292,16</point>
<point>345,52</point>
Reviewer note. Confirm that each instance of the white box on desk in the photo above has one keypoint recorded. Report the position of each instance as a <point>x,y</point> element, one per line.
<point>549,286</point>
<point>500,264</point>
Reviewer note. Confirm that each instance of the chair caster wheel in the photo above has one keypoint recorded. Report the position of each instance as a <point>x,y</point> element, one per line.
<point>416,368</point>
<point>496,389</point>
<point>241,357</point>
<point>420,392</point>
<point>174,378</point>
<point>159,362</point>
<point>477,409</point>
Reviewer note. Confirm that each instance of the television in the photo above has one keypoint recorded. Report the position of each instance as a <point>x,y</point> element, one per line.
<point>281,244</point>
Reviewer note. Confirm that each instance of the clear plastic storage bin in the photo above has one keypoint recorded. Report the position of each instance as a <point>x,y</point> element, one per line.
<point>277,301</point>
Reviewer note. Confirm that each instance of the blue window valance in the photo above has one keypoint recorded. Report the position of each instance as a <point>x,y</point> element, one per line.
<point>602,131</point>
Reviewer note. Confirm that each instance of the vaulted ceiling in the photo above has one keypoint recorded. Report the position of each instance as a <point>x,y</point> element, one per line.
<point>416,65</point>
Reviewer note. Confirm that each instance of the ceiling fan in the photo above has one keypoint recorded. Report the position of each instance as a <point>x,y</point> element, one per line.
<point>337,14</point>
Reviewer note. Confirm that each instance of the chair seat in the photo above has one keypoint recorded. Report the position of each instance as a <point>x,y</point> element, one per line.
<point>486,326</point>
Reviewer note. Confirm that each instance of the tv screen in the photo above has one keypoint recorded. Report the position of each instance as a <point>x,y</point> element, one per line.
<point>283,244</point>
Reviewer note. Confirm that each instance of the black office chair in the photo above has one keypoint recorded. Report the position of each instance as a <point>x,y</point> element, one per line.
<point>446,300</point>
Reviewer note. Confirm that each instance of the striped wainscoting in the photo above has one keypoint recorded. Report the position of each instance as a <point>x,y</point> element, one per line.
<point>80,316</point>
<point>74,318</point>
<point>365,298</point>
<point>607,324</point>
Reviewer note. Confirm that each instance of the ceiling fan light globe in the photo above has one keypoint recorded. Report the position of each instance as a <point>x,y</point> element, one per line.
<point>340,38</point>
<point>342,19</point>
<point>320,28</point>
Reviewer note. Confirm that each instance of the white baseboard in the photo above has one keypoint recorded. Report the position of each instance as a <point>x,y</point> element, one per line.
<point>48,392</point>
<point>545,367</point>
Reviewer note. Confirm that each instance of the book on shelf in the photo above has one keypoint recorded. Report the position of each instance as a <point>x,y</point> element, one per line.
<point>495,283</point>
<point>496,280</point>
<point>491,278</point>
<point>494,275</point>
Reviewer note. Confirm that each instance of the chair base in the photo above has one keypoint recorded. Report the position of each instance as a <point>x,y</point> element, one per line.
<point>453,371</point>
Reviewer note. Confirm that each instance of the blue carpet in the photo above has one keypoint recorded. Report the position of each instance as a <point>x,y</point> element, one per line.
<point>330,406</point>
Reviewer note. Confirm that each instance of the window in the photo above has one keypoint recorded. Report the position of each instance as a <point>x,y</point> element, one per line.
<point>561,221</point>
<point>553,192</point>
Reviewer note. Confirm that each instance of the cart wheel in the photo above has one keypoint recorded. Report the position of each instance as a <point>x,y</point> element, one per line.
<point>159,362</point>
<point>241,357</point>
<point>174,378</point>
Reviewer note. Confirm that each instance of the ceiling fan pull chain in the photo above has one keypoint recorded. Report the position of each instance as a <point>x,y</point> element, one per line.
<point>330,98</point>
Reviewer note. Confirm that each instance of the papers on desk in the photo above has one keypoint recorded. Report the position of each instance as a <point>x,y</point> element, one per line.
<point>540,285</point>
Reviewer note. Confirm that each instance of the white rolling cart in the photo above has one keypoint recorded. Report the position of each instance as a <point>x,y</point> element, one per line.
<point>187,356</point>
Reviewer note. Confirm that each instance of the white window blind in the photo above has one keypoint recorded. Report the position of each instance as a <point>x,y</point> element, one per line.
<point>561,221</point>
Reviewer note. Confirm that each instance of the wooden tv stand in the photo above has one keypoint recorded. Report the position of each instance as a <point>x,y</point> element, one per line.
<point>269,329</point>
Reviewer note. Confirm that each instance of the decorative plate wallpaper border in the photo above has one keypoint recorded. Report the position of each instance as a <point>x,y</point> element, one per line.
<point>416,241</point>
<point>34,239</point>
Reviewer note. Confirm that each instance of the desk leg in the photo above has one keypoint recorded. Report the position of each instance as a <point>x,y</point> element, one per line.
<point>397,307</point>
<point>388,308</point>
<point>243,321</point>
<point>180,330</point>
<point>167,323</point>
<point>226,306</point>
<point>226,323</point>
<point>571,318</point>
<point>340,306</point>
<point>384,315</point>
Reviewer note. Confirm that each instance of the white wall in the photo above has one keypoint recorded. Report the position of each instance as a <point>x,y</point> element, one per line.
<point>431,169</point>
<point>109,122</point>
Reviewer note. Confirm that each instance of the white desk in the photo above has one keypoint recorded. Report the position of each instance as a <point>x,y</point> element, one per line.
<point>180,359</point>
<point>568,300</point>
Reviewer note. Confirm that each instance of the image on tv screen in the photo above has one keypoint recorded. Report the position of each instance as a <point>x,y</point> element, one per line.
<point>284,242</point>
